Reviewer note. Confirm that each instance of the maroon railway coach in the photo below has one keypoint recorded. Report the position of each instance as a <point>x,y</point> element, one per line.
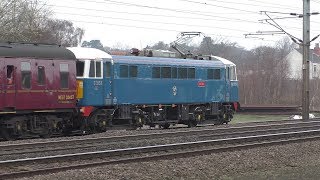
<point>37,90</point>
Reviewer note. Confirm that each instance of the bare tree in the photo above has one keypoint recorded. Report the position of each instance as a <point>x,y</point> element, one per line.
<point>29,21</point>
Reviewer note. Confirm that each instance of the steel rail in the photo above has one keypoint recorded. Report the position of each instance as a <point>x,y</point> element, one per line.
<point>199,147</point>
<point>14,149</point>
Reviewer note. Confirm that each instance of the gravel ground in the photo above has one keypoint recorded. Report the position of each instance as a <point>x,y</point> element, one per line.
<point>289,161</point>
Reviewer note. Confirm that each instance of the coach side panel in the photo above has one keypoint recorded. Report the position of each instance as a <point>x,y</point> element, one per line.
<point>45,84</point>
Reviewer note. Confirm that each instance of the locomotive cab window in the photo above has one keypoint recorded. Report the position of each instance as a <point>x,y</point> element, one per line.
<point>95,70</point>
<point>80,68</point>
<point>26,75</point>
<point>98,69</point>
<point>233,73</point>
<point>228,73</point>
<point>64,76</point>
<point>41,75</point>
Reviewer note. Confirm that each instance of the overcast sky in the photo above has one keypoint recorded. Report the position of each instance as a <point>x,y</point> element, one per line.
<point>137,23</point>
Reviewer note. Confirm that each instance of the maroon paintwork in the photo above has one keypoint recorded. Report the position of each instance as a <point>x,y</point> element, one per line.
<point>39,97</point>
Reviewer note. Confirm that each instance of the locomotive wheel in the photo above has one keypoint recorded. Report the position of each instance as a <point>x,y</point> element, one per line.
<point>138,121</point>
<point>102,126</point>
<point>226,118</point>
<point>98,122</point>
<point>193,120</point>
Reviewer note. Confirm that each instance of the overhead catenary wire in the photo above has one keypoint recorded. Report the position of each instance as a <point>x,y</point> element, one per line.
<point>158,22</point>
<point>233,3</point>
<point>265,4</point>
<point>221,18</point>
<point>144,27</point>
<point>212,16</point>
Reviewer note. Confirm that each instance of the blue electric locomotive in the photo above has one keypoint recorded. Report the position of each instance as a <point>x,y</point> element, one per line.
<point>136,91</point>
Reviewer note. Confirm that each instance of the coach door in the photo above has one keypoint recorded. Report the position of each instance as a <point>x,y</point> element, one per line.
<point>41,87</point>
<point>9,85</point>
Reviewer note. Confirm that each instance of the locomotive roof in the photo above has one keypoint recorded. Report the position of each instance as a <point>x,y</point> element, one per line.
<point>219,62</point>
<point>89,53</point>
<point>35,51</point>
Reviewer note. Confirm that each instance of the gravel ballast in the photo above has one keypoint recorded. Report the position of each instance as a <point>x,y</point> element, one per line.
<point>288,161</point>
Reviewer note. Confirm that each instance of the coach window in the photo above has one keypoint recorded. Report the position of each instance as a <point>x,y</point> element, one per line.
<point>10,69</point>
<point>165,72</point>
<point>108,69</point>
<point>64,76</point>
<point>41,75</point>
<point>133,71</point>
<point>123,71</point>
<point>174,72</point>
<point>26,75</point>
<point>182,73</point>
<point>156,72</point>
<point>191,73</point>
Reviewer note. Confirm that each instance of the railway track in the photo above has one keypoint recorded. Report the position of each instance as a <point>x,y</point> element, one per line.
<point>57,163</point>
<point>14,151</point>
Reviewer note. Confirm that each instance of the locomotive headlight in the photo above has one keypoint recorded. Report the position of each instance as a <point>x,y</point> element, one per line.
<point>79,89</point>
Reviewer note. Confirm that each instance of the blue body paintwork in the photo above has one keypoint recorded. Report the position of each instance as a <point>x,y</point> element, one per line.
<point>146,90</point>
